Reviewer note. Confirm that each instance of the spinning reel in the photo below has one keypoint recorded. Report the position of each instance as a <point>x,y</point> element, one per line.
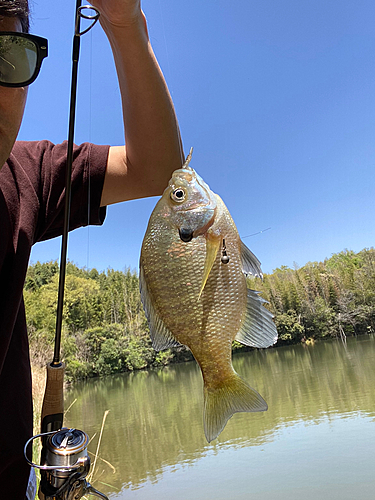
<point>64,465</point>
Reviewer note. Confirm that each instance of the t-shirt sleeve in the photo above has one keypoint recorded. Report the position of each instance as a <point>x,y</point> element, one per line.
<point>47,161</point>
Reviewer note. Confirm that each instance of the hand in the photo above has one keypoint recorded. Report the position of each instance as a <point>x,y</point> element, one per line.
<point>119,13</point>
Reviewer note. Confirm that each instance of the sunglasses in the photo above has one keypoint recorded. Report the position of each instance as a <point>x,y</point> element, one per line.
<point>21,57</point>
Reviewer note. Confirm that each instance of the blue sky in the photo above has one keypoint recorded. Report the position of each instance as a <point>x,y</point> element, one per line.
<point>276,97</point>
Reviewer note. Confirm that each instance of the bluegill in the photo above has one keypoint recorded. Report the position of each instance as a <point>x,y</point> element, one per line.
<point>193,289</point>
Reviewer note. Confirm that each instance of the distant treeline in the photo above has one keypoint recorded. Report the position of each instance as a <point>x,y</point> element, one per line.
<point>105,330</point>
<point>323,299</point>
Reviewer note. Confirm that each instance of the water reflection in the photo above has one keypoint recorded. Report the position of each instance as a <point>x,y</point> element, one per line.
<point>155,419</point>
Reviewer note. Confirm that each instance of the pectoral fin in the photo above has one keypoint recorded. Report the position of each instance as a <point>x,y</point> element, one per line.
<point>212,247</point>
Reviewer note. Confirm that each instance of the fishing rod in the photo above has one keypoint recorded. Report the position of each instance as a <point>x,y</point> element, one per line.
<point>64,463</point>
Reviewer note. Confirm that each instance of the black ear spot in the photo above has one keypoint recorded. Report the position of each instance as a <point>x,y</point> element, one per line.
<point>185,235</point>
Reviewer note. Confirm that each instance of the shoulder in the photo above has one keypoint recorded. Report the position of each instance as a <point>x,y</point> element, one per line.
<point>28,150</point>
<point>48,159</point>
<point>42,165</point>
<point>37,150</point>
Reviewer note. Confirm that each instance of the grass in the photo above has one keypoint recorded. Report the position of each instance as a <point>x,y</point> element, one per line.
<point>39,383</point>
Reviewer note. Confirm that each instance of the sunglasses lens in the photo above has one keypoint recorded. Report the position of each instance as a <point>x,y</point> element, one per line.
<point>18,59</point>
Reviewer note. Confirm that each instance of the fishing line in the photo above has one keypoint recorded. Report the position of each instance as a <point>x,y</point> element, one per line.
<point>254,234</point>
<point>165,40</point>
<point>88,166</point>
<point>89,173</point>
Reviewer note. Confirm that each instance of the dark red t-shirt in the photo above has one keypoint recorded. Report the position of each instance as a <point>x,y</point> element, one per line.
<point>32,195</point>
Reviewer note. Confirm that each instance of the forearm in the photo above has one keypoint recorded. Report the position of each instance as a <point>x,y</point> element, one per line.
<point>153,145</point>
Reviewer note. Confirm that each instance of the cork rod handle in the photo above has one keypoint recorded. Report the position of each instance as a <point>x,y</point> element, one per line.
<point>53,402</point>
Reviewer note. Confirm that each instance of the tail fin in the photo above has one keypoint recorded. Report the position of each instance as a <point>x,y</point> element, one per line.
<point>221,403</point>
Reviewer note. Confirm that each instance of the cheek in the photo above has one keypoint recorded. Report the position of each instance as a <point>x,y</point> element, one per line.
<point>12,105</point>
<point>194,221</point>
<point>19,103</point>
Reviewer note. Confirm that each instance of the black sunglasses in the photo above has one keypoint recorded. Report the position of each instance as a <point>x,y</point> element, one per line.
<point>21,57</point>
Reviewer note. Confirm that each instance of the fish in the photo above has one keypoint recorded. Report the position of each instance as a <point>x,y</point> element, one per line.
<point>193,268</point>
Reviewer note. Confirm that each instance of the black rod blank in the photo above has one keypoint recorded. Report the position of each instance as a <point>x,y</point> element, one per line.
<point>68,175</point>
<point>68,189</point>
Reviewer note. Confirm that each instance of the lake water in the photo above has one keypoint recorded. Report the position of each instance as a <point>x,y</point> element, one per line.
<point>316,441</point>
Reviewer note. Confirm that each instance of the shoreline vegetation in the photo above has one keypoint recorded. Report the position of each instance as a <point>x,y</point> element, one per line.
<point>105,330</point>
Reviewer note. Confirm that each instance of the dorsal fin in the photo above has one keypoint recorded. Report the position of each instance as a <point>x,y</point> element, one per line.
<point>188,158</point>
<point>250,264</point>
<point>258,329</point>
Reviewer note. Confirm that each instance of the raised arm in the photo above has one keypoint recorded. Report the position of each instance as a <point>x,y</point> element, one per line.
<point>153,147</point>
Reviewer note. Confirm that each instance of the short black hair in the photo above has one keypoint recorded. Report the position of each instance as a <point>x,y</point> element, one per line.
<point>17,8</point>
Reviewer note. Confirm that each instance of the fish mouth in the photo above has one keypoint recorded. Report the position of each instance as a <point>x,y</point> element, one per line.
<point>186,235</point>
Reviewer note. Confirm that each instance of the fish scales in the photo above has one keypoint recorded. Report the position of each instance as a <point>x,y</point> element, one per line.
<point>191,297</point>
<point>206,322</point>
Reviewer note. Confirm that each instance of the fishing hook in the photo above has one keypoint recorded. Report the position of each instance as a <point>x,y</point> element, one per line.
<point>224,256</point>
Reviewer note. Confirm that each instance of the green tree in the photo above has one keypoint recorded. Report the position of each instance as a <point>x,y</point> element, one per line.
<point>289,327</point>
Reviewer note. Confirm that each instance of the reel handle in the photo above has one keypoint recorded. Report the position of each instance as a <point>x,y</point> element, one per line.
<point>90,490</point>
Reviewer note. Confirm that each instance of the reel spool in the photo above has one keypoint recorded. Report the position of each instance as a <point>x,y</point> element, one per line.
<point>64,465</point>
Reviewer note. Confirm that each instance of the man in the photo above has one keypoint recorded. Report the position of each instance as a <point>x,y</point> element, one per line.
<point>32,190</point>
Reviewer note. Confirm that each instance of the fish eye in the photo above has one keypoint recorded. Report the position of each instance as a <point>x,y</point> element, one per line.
<point>178,195</point>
